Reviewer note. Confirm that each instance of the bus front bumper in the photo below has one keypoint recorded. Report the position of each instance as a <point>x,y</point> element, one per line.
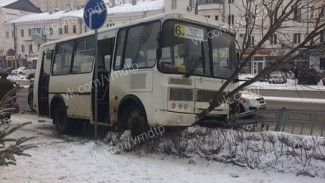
<point>166,118</point>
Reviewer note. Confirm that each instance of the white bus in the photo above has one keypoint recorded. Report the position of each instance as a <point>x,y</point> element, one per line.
<point>31,68</point>
<point>158,71</point>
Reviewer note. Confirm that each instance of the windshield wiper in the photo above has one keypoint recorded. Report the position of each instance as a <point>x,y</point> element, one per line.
<point>196,63</point>
<point>193,69</point>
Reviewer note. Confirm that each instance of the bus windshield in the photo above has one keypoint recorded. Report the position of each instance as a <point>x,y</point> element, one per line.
<point>185,45</point>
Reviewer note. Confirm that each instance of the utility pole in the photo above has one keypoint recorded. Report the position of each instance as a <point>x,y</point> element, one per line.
<point>15,46</point>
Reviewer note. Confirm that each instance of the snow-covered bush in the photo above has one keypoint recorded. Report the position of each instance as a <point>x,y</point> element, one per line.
<point>283,152</point>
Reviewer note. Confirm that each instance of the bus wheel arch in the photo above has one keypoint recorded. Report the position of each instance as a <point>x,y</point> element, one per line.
<point>132,105</point>
<point>59,115</point>
<point>54,102</point>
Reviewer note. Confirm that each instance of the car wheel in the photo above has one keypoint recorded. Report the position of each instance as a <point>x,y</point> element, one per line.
<point>31,76</point>
<point>60,119</point>
<point>134,119</point>
<point>30,101</point>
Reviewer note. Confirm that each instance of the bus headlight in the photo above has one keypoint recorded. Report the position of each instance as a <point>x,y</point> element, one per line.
<point>180,106</point>
<point>185,106</point>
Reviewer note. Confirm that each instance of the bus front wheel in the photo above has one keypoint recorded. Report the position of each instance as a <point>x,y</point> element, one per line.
<point>61,119</point>
<point>134,119</point>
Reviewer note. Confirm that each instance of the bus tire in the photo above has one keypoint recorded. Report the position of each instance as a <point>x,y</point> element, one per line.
<point>133,118</point>
<point>60,119</point>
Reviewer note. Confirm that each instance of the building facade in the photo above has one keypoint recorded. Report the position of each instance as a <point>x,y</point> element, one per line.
<point>57,5</point>
<point>32,30</point>
<point>11,9</point>
<point>233,14</point>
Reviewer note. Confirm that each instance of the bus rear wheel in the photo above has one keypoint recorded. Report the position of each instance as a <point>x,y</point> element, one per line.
<point>61,119</point>
<point>134,119</point>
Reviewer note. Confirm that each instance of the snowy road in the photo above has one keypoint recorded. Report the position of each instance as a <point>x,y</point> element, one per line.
<point>61,158</point>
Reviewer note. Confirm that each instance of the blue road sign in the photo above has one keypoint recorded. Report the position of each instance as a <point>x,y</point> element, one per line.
<point>95,14</point>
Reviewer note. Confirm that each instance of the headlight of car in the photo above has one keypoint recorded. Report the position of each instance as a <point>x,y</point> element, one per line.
<point>244,101</point>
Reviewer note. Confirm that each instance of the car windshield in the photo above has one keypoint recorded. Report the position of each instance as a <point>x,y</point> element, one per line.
<point>185,46</point>
<point>276,73</point>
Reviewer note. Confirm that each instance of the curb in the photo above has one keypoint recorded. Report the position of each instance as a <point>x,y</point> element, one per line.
<point>296,100</point>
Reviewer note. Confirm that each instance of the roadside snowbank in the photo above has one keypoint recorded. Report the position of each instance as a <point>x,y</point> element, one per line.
<point>69,159</point>
<point>290,85</point>
<point>281,152</point>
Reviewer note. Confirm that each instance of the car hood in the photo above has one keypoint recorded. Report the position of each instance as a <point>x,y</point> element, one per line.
<point>250,95</point>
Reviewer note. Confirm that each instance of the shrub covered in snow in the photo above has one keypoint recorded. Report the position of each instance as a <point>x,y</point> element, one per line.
<point>304,155</point>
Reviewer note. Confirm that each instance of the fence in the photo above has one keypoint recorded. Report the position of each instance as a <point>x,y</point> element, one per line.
<point>301,122</point>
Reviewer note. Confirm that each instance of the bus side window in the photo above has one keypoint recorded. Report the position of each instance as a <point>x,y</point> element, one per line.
<point>141,45</point>
<point>84,56</point>
<point>62,60</point>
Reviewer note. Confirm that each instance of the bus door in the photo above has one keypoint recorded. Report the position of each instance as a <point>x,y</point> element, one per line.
<point>43,84</point>
<point>105,52</point>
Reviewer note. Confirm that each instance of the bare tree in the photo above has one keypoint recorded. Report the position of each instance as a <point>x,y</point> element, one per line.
<point>270,17</point>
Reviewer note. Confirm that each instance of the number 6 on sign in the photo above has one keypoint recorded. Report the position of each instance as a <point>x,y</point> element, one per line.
<point>179,30</point>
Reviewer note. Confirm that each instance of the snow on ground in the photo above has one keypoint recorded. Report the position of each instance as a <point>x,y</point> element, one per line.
<point>17,78</point>
<point>20,79</point>
<point>290,85</point>
<point>60,158</point>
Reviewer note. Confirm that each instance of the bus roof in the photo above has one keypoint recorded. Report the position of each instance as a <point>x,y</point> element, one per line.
<point>180,16</point>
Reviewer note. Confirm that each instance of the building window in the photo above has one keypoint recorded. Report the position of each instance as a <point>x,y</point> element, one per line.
<point>85,28</point>
<point>7,34</point>
<point>322,63</point>
<point>66,29</point>
<point>231,19</point>
<point>274,18</point>
<point>22,48</point>
<point>274,39</point>
<point>74,30</point>
<point>322,37</point>
<point>231,1</point>
<point>51,31</point>
<point>252,19</point>
<point>30,48</point>
<point>60,30</point>
<point>297,38</point>
<point>191,3</point>
<point>216,18</point>
<point>12,34</point>
<point>323,12</point>
<point>297,15</point>
<point>311,14</point>
<point>207,16</point>
<point>22,33</point>
<point>29,32</point>
<point>174,4</point>
<point>251,41</point>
